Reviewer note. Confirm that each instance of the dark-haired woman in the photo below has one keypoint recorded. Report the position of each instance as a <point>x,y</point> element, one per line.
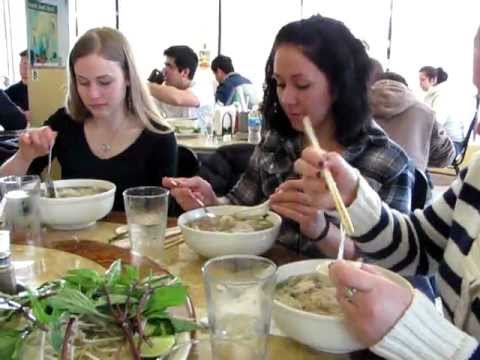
<point>316,68</point>
<point>433,82</point>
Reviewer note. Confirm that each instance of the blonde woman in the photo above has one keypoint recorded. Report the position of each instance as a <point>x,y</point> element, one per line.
<point>109,128</point>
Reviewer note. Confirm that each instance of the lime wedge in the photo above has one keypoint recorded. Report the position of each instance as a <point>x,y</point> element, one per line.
<point>161,345</point>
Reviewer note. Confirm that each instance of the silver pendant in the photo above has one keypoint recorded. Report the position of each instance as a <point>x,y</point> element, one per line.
<point>106,147</point>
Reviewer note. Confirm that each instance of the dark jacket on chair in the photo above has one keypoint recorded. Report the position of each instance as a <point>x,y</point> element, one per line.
<point>223,168</point>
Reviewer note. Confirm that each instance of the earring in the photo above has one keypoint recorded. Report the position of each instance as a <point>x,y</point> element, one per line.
<point>275,107</point>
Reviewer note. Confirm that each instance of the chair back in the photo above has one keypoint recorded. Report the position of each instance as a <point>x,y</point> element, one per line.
<point>223,168</point>
<point>420,190</point>
<point>461,155</point>
<point>187,162</point>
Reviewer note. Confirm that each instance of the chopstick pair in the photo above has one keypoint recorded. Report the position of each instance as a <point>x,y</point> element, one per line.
<point>122,231</point>
<point>174,242</point>
<point>346,221</point>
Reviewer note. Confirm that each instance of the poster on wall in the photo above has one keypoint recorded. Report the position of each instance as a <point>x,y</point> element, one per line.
<point>45,21</point>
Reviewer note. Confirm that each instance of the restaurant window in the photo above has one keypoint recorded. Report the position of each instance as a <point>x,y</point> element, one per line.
<point>13,39</point>
<point>248,31</point>
<point>156,25</point>
<point>437,33</point>
<point>367,20</point>
<point>82,9</point>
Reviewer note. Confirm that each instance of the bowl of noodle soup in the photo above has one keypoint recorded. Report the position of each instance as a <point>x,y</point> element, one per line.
<point>228,235</point>
<point>79,203</point>
<point>305,307</point>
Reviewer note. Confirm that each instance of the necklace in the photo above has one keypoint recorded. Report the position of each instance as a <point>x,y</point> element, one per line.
<point>106,147</point>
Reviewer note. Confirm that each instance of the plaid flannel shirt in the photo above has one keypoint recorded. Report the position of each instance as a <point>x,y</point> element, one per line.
<point>381,162</point>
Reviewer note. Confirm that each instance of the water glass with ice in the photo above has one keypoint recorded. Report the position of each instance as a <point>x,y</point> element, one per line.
<point>146,208</point>
<point>239,291</point>
<point>21,209</point>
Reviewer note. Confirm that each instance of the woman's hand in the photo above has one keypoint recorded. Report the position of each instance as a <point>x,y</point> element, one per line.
<point>185,190</point>
<point>35,143</point>
<point>290,201</point>
<point>310,167</point>
<point>375,306</point>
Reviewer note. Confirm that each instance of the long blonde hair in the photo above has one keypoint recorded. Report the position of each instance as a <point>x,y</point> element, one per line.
<point>113,46</point>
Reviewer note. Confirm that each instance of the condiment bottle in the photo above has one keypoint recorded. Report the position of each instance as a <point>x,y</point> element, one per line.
<point>8,283</point>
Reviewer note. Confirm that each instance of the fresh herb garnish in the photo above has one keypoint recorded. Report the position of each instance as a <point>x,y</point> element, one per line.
<point>73,317</point>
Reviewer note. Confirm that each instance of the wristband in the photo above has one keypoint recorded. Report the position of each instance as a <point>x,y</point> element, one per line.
<point>324,232</point>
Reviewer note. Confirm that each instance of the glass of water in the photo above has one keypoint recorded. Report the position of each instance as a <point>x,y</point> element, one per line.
<point>146,208</point>
<point>239,291</point>
<point>21,207</point>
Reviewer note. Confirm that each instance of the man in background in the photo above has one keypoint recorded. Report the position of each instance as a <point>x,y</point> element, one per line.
<point>229,83</point>
<point>18,92</point>
<point>11,117</point>
<point>179,95</point>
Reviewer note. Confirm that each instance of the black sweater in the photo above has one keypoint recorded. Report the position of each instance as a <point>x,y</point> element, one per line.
<point>144,163</point>
<point>11,118</point>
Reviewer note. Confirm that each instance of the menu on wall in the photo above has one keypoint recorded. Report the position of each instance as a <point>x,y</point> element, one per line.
<point>46,22</point>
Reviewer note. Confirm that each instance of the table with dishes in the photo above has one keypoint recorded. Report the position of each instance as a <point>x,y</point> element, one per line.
<point>90,248</point>
<point>217,264</point>
<point>205,145</point>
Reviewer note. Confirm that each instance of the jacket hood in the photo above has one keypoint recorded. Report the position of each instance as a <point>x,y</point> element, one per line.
<point>389,98</point>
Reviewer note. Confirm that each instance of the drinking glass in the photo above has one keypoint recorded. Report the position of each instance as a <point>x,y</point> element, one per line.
<point>239,291</point>
<point>146,208</point>
<point>20,200</point>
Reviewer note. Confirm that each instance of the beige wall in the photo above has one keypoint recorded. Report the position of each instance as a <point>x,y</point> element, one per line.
<point>46,93</point>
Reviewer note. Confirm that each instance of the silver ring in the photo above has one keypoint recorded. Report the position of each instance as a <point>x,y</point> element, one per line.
<point>349,293</point>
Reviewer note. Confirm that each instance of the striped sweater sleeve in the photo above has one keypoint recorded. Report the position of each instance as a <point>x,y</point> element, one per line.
<point>409,244</point>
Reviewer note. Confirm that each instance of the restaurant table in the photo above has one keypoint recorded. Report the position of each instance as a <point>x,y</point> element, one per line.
<point>201,145</point>
<point>91,245</point>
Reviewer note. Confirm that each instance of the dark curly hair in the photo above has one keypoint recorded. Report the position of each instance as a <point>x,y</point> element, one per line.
<point>330,45</point>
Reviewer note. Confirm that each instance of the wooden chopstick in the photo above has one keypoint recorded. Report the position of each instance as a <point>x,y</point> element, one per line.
<point>332,186</point>
<point>169,232</point>
<point>169,244</point>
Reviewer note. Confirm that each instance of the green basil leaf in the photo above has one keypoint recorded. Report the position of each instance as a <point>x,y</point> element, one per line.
<point>165,297</point>
<point>75,302</point>
<point>10,343</point>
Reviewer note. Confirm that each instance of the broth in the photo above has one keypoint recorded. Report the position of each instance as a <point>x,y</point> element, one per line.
<point>309,292</point>
<point>78,191</point>
<point>230,224</point>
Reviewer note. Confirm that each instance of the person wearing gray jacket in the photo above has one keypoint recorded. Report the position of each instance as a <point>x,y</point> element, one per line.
<point>409,122</point>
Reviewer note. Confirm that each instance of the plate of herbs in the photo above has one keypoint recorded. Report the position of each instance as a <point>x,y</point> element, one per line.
<point>89,315</point>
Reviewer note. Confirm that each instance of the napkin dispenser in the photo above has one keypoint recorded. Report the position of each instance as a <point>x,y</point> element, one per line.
<point>224,122</point>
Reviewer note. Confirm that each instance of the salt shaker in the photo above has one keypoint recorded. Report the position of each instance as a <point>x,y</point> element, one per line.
<point>8,283</point>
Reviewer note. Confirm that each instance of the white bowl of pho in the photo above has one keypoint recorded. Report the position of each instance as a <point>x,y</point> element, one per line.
<point>79,203</point>
<point>305,307</point>
<point>227,235</point>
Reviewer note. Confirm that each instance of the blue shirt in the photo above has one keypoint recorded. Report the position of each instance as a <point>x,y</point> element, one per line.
<point>226,90</point>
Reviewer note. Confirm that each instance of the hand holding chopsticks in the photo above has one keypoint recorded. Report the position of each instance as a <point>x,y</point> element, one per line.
<point>332,186</point>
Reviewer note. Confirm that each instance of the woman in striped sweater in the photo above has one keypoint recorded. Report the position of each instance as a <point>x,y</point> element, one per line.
<point>443,239</point>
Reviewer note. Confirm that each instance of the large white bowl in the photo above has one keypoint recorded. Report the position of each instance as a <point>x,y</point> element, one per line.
<point>211,244</point>
<point>322,332</point>
<point>77,212</point>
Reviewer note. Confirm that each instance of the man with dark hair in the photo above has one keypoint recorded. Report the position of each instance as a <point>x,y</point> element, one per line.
<point>229,83</point>
<point>18,92</point>
<point>11,117</point>
<point>180,95</point>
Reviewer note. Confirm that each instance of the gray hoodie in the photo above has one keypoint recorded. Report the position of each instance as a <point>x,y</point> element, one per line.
<point>411,124</point>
